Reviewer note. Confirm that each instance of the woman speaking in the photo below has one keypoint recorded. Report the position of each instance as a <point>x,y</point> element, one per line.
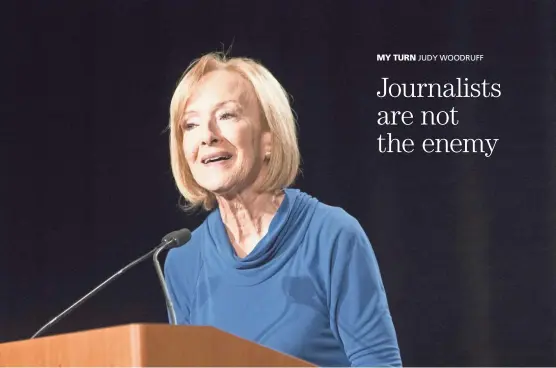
<point>270,263</point>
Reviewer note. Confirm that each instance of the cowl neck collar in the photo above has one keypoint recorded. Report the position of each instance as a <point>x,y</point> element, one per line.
<point>285,234</point>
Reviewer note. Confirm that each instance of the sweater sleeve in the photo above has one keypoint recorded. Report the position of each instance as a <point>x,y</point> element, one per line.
<point>359,311</point>
<point>176,290</point>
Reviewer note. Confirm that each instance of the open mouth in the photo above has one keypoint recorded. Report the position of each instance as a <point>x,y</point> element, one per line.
<point>213,159</point>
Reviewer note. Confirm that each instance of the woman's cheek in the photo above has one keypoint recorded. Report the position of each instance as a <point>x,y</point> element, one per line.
<point>189,149</point>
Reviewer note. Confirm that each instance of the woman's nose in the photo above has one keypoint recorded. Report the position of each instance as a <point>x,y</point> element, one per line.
<point>209,135</point>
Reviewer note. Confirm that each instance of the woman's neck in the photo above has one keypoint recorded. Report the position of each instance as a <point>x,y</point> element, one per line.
<point>247,217</point>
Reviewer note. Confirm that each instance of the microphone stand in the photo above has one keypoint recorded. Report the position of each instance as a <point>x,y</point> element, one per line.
<point>169,305</point>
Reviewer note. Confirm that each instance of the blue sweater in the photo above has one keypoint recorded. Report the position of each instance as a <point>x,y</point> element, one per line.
<point>311,288</point>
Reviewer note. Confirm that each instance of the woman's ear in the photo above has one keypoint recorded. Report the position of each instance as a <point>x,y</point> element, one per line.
<point>267,145</point>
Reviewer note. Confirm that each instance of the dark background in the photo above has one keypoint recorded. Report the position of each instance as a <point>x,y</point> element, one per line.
<point>466,244</point>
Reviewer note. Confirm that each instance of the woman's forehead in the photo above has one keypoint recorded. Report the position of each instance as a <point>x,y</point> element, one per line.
<point>218,87</point>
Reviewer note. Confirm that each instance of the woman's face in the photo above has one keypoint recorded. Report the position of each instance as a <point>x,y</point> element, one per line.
<point>223,142</point>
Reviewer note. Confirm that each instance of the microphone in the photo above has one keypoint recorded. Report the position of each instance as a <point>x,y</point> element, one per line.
<point>178,238</point>
<point>172,240</point>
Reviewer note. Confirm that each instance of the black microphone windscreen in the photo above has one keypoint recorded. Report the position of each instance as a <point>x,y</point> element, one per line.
<point>177,238</point>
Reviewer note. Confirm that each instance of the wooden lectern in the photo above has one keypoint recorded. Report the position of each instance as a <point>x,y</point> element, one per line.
<point>143,345</point>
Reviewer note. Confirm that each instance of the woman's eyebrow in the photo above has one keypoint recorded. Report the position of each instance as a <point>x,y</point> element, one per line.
<point>217,106</point>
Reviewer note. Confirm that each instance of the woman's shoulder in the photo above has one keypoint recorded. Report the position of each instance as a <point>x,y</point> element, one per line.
<point>186,258</point>
<point>336,238</point>
<point>334,226</point>
<point>335,219</point>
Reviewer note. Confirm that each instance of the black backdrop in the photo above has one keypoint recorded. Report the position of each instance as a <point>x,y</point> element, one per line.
<point>466,244</point>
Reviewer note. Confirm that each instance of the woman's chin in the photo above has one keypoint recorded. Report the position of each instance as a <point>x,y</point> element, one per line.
<point>219,187</point>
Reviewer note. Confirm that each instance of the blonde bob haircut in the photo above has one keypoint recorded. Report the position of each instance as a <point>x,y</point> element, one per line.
<point>276,116</point>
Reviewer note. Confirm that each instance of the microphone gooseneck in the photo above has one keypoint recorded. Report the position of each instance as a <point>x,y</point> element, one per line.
<point>172,240</point>
<point>178,237</point>
<point>169,304</point>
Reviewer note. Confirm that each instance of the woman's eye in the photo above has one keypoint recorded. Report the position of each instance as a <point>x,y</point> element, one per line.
<point>227,115</point>
<point>188,126</point>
